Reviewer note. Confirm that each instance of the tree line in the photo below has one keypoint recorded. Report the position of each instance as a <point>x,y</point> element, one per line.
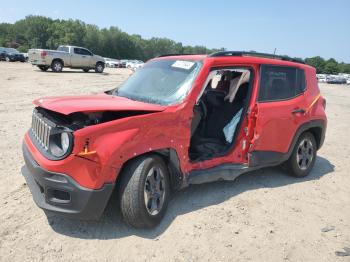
<point>330,66</point>
<point>45,32</point>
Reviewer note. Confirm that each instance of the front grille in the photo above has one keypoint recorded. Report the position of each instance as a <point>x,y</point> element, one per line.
<point>41,130</point>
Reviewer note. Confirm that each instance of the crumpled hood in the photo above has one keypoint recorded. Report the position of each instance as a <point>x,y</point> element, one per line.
<point>94,103</point>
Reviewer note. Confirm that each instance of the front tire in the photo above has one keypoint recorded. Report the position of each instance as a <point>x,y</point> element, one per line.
<point>303,156</point>
<point>99,67</point>
<point>144,191</point>
<point>57,66</point>
<point>8,59</point>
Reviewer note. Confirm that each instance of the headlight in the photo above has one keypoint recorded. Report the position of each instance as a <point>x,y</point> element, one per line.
<point>65,141</point>
<point>60,144</point>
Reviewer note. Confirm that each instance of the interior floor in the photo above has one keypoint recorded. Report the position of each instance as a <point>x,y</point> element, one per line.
<point>218,108</point>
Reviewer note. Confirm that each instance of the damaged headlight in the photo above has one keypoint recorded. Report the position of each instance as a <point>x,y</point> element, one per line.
<point>61,144</point>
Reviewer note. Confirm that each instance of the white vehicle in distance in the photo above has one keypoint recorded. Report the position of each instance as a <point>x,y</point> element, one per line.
<point>138,65</point>
<point>134,64</point>
<point>113,63</point>
<point>322,78</point>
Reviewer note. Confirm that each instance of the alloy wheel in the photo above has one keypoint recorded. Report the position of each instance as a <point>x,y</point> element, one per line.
<point>57,67</point>
<point>99,68</point>
<point>154,191</point>
<point>305,154</point>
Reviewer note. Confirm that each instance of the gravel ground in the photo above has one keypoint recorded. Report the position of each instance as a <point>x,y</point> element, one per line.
<point>262,216</point>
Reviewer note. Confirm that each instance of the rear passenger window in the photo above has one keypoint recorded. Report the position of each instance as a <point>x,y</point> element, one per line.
<point>280,83</point>
<point>78,51</point>
<point>85,52</point>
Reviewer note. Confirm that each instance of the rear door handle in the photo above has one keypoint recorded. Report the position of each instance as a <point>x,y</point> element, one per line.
<point>298,111</point>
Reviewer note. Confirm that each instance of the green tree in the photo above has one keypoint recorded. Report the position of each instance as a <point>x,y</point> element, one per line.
<point>44,32</point>
<point>32,31</point>
<point>317,62</point>
<point>331,67</point>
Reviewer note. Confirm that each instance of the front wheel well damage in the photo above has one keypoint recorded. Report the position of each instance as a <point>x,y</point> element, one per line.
<point>172,161</point>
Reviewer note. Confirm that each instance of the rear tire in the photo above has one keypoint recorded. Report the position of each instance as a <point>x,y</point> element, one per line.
<point>8,59</point>
<point>99,67</point>
<point>57,66</point>
<point>144,191</point>
<point>303,157</point>
<point>86,70</point>
<point>43,68</point>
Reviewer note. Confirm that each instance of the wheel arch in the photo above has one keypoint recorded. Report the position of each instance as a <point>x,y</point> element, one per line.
<point>316,127</point>
<point>172,161</point>
<point>57,59</point>
<point>317,133</point>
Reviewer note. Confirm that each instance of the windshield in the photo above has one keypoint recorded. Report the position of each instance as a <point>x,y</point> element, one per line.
<point>163,82</point>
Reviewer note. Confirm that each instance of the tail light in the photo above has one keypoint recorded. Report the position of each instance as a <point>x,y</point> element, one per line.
<point>43,53</point>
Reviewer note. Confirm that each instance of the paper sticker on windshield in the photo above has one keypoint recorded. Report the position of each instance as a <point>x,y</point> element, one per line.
<point>187,65</point>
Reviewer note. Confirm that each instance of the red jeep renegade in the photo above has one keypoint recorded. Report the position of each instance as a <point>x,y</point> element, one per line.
<point>180,120</point>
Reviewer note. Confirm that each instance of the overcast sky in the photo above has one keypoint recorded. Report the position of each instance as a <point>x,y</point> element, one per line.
<point>300,28</point>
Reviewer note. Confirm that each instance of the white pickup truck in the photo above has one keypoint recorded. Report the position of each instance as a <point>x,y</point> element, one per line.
<point>66,56</point>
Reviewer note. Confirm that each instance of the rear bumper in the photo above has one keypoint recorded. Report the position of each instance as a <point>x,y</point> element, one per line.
<point>61,194</point>
<point>39,62</point>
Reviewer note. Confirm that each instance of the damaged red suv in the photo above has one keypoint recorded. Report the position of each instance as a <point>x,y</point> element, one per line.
<point>180,120</point>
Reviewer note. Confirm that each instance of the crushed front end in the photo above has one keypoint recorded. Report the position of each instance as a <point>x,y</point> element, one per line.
<point>59,180</point>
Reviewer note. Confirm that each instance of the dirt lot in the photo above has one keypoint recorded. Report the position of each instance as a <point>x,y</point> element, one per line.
<point>262,216</point>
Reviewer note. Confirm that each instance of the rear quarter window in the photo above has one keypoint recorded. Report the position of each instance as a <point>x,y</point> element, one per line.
<point>280,83</point>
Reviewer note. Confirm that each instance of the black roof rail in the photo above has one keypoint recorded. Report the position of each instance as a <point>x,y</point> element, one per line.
<point>256,54</point>
<point>174,55</point>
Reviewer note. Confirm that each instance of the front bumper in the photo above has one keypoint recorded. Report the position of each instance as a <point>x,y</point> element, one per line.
<point>61,194</point>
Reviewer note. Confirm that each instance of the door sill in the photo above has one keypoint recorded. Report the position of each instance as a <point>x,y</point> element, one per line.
<point>222,172</point>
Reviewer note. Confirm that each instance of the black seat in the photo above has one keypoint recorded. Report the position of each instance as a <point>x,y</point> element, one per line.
<point>212,140</point>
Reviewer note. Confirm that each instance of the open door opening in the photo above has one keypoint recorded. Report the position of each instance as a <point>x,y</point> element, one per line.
<point>218,114</point>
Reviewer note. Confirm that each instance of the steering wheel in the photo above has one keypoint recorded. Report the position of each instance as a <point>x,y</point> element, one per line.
<point>204,109</point>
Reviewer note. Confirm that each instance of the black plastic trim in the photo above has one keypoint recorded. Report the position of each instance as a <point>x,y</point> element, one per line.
<point>83,203</point>
<point>165,55</point>
<point>256,54</point>
<point>218,173</point>
<point>267,158</point>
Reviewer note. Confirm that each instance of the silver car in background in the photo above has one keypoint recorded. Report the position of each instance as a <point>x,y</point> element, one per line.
<point>66,56</point>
